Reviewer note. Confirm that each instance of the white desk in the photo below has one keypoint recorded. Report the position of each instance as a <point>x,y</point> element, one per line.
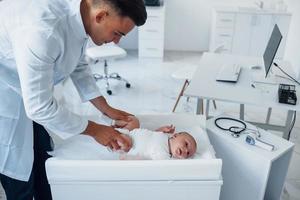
<point>249,172</point>
<point>204,86</point>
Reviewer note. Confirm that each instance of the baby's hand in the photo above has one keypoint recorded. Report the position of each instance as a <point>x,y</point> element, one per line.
<point>167,129</point>
<point>130,123</point>
<point>120,124</point>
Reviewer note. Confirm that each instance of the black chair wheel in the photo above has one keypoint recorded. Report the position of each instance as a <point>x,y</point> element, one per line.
<point>109,92</point>
<point>128,85</point>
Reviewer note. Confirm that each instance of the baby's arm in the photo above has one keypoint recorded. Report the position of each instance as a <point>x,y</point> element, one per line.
<point>166,129</point>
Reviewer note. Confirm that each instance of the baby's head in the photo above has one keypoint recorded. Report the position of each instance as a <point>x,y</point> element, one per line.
<point>182,145</point>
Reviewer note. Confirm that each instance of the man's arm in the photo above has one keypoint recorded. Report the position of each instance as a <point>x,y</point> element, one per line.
<point>88,90</point>
<point>35,54</point>
<point>101,104</point>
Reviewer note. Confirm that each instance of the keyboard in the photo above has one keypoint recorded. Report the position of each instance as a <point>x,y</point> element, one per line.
<point>229,73</point>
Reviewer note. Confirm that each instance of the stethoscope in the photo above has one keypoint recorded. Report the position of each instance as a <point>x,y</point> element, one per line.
<point>253,137</point>
<point>236,130</point>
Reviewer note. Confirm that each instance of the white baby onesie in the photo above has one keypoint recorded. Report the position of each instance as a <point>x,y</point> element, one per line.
<point>148,144</point>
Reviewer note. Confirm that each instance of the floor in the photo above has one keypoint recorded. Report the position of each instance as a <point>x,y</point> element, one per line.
<point>154,90</point>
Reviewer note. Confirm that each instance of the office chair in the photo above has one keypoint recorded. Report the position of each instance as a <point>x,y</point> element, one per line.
<point>104,53</point>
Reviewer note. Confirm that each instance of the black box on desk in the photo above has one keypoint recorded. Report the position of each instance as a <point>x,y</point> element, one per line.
<point>287,94</point>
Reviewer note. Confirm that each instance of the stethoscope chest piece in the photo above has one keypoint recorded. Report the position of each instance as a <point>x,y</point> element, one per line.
<point>235,135</point>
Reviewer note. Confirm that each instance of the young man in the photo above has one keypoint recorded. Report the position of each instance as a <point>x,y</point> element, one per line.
<point>41,44</point>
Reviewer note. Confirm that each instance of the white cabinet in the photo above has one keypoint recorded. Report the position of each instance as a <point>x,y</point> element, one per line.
<point>252,32</point>
<point>151,34</point>
<point>250,172</point>
<point>222,31</point>
<point>246,32</point>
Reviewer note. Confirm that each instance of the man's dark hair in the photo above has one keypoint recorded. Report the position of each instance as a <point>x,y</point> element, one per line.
<point>134,9</point>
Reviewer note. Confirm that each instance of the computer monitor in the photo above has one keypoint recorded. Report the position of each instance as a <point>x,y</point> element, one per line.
<point>272,48</point>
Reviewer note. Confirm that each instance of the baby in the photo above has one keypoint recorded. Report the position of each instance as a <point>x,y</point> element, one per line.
<point>160,144</point>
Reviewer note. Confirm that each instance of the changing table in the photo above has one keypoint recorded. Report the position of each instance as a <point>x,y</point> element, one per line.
<point>198,178</point>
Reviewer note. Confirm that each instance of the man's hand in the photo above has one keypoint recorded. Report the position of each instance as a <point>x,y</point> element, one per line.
<point>131,123</point>
<point>120,124</point>
<point>108,136</point>
<point>101,104</point>
<point>118,114</point>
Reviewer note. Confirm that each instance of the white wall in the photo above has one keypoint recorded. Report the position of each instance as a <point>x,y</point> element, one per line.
<point>292,52</point>
<point>131,40</point>
<point>188,23</point>
<point>188,26</point>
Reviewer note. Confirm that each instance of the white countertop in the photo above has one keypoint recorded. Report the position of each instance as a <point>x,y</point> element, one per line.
<point>250,9</point>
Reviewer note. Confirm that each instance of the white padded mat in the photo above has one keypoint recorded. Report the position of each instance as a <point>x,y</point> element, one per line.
<point>83,147</point>
<point>82,158</point>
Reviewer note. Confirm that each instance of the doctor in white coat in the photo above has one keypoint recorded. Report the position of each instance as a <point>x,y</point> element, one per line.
<point>41,44</point>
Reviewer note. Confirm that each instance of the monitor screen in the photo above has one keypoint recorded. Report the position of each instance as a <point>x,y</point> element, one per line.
<point>272,48</point>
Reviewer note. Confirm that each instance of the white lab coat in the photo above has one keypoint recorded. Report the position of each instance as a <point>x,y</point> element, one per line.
<point>41,44</point>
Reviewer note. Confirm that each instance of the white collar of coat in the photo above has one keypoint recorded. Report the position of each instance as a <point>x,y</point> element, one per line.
<point>77,23</point>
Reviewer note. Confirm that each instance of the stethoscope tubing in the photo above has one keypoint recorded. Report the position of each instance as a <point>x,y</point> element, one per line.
<point>231,129</point>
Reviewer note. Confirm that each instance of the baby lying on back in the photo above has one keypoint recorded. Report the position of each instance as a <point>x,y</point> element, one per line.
<point>163,143</point>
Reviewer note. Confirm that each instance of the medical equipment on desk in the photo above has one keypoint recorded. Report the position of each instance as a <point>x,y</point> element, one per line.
<point>235,130</point>
<point>254,140</point>
<point>253,137</point>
